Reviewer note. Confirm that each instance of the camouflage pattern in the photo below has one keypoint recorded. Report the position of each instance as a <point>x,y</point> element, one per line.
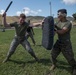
<point>66,24</point>
<point>66,49</point>
<point>15,43</point>
<point>20,39</point>
<point>63,44</point>
<point>29,34</point>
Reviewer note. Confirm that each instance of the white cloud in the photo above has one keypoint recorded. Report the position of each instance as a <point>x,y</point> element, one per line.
<point>1,12</point>
<point>34,12</point>
<point>18,13</point>
<point>28,11</point>
<point>39,10</point>
<point>69,1</point>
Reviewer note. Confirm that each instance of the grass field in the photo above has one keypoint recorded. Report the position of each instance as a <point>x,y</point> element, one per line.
<point>23,64</point>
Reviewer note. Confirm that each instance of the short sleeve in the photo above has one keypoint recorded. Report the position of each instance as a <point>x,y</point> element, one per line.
<point>68,25</point>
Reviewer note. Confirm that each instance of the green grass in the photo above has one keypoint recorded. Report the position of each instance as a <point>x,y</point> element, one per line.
<point>22,63</point>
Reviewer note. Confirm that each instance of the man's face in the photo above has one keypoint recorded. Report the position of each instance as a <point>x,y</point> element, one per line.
<point>21,20</point>
<point>60,15</point>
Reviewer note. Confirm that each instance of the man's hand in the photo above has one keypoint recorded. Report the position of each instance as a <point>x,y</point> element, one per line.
<point>4,14</point>
<point>4,20</point>
<point>55,29</point>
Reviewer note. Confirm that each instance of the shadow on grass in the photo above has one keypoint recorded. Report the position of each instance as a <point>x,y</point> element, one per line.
<point>43,61</point>
<point>22,62</point>
<point>63,65</point>
<point>69,69</point>
<point>39,45</point>
<point>17,61</point>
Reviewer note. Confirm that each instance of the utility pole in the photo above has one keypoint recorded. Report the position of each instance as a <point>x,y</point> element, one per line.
<point>50,8</point>
<point>23,11</point>
<point>3,28</point>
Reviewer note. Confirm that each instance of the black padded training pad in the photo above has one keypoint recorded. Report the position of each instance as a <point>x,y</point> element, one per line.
<point>48,33</point>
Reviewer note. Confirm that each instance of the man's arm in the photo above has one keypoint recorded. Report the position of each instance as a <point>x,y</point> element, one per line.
<point>62,31</point>
<point>4,21</point>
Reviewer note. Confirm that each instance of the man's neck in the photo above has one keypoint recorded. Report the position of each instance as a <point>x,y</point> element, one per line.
<point>63,20</point>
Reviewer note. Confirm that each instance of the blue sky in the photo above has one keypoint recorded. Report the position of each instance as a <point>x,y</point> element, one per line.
<point>37,7</point>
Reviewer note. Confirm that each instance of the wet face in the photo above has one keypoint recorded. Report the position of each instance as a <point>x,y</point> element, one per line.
<point>21,20</point>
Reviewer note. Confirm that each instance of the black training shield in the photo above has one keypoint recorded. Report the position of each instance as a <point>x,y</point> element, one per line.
<point>48,33</point>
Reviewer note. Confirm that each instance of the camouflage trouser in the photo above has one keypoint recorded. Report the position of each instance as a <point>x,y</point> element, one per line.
<point>66,49</point>
<point>15,42</point>
<point>29,34</point>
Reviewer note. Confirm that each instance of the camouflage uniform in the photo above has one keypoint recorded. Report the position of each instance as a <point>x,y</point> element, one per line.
<point>63,44</point>
<point>20,39</point>
<point>29,33</point>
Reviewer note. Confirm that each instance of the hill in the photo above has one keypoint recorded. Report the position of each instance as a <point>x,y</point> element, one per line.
<point>33,19</point>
